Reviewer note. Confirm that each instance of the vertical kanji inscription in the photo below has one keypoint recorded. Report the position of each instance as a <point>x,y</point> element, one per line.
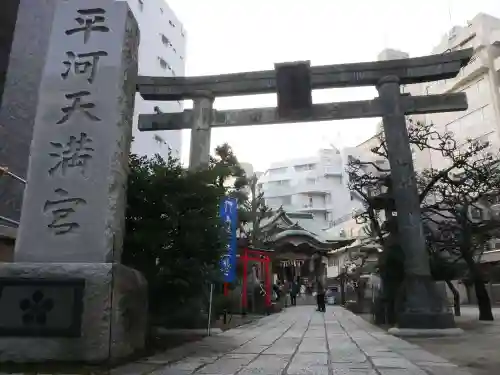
<point>89,20</point>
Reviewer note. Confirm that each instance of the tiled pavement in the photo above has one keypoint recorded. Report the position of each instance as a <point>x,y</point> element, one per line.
<point>298,341</point>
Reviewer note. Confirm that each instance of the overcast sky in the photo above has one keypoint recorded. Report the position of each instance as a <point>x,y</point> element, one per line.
<point>226,36</point>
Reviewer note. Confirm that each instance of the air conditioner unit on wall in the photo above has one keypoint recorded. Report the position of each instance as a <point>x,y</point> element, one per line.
<point>479,213</point>
<point>495,212</point>
<point>494,244</point>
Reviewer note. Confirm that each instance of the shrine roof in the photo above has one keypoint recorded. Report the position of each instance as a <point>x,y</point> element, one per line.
<point>280,214</point>
<point>360,243</point>
<point>302,228</point>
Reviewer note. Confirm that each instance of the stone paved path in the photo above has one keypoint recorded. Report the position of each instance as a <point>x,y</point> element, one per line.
<point>298,341</point>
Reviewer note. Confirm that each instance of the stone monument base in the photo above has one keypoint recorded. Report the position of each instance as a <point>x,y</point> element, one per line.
<point>426,320</point>
<point>426,305</point>
<point>409,332</point>
<point>85,312</point>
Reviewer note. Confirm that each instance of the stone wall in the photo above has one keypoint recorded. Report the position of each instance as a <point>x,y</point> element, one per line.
<point>468,294</point>
<point>493,291</point>
<point>462,290</point>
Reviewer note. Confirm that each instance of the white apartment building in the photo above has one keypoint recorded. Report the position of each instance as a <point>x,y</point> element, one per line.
<point>344,225</point>
<point>480,80</point>
<point>162,52</point>
<point>315,185</point>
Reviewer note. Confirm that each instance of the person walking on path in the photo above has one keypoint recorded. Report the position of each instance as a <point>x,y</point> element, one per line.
<point>285,290</point>
<point>320,296</point>
<point>277,291</point>
<point>295,289</point>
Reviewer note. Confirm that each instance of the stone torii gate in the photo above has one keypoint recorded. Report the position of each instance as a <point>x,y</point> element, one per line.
<point>293,83</point>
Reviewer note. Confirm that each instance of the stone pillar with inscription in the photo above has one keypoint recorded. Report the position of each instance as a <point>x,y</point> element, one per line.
<point>67,297</point>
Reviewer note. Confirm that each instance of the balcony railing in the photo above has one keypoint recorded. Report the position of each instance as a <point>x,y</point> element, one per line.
<point>475,67</point>
<point>314,207</point>
<point>347,217</point>
<point>320,188</point>
<point>277,191</point>
<point>333,171</point>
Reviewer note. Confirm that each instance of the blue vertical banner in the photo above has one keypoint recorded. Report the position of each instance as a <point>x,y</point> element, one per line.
<point>229,216</point>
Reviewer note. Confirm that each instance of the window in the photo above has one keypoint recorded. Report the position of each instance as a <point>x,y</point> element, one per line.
<point>165,40</point>
<point>476,213</point>
<point>163,63</point>
<point>287,200</point>
<point>278,170</point>
<point>310,181</point>
<point>310,201</point>
<point>488,115</point>
<point>280,183</point>
<point>413,154</point>
<point>304,167</point>
<point>158,139</point>
<point>141,4</point>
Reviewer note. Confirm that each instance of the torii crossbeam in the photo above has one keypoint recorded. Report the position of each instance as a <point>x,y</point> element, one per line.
<point>319,112</point>
<point>415,70</point>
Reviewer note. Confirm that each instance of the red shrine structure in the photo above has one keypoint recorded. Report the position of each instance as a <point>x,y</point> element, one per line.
<point>289,240</point>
